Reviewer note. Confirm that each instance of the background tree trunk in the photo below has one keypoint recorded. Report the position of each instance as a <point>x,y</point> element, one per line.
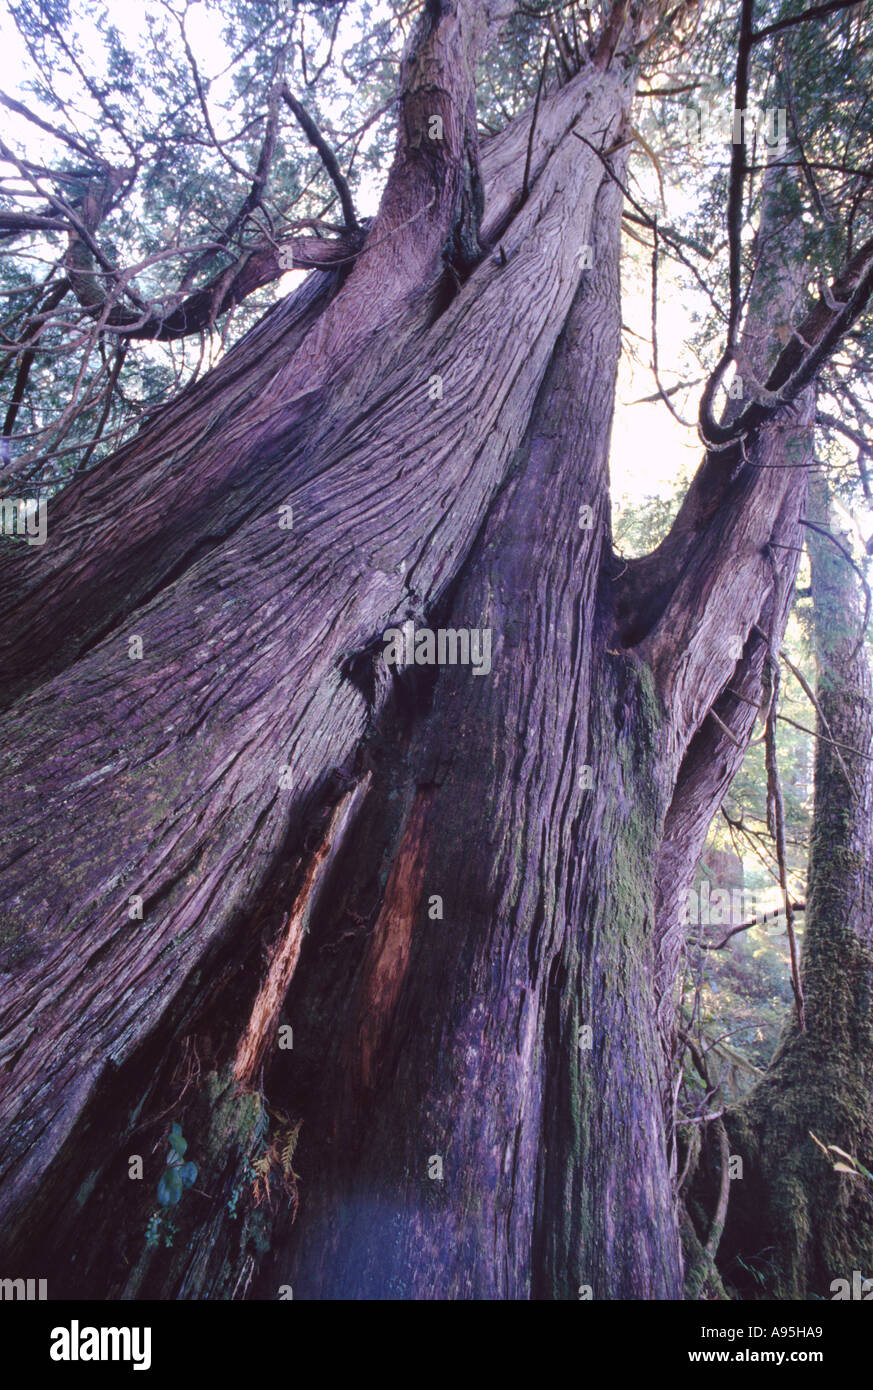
<point>792,1216</point>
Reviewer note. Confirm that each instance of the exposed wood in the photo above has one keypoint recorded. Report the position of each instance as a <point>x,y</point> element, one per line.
<point>259,1034</point>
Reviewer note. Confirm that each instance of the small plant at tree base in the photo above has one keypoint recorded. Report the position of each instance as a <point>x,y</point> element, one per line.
<point>760,1266</point>
<point>178,1174</point>
<point>160,1224</point>
<point>233,1202</point>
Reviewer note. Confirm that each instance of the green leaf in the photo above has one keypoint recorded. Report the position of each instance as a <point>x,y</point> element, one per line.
<point>169,1188</point>
<point>177,1139</point>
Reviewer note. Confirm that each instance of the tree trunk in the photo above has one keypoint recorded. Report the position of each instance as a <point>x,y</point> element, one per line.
<point>287,809</point>
<point>815,1224</point>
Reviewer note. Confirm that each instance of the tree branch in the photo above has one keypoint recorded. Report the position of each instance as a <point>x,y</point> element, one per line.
<point>225,291</point>
<point>814,12</point>
<point>760,919</point>
<point>328,158</point>
<point>863,446</point>
<point>736,182</point>
<point>802,358</point>
<point>811,696</point>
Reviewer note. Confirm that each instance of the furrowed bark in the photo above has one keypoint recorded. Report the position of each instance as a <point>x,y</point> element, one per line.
<point>256,772</point>
<point>192,740</point>
<point>168,496</point>
<point>472,1057</point>
<point>147,514</point>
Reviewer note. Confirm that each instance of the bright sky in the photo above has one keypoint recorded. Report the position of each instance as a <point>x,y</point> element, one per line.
<point>650,449</point>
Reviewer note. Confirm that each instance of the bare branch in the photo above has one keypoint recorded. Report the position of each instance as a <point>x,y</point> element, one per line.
<point>661,392</point>
<point>864,446</point>
<point>736,183</point>
<point>533,122</point>
<point>760,919</point>
<point>328,158</point>
<point>21,110</point>
<point>814,12</point>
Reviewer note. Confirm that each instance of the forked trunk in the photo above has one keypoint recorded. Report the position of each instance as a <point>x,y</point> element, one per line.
<point>457,877</point>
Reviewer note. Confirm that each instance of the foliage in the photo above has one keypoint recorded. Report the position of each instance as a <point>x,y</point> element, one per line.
<point>178,1174</point>
<point>274,1166</point>
<point>146,126</point>
<point>176,1177</point>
